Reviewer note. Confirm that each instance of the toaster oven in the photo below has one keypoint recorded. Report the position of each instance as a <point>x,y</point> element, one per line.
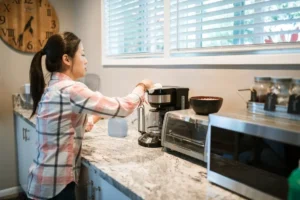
<point>185,132</point>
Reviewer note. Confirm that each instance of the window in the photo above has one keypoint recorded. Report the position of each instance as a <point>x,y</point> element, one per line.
<point>208,24</point>
<point>134,27</point>
<point>173,29</point>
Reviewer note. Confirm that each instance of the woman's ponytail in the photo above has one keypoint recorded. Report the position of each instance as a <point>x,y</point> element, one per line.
<point>57,45</point>
<point>37,81</point>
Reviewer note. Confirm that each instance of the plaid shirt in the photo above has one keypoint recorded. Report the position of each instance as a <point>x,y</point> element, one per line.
<point>60,121</point>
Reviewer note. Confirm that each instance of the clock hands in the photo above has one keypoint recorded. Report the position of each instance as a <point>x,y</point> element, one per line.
<point>27,26</point>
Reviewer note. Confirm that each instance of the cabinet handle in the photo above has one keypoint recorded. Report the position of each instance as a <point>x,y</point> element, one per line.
<point>92,197</point>
<point>95,189</point>
<point>26,137</point>
<point>98,188</point>
<point>91,183</point>
<point>88,183</point>
<point>23,133</point>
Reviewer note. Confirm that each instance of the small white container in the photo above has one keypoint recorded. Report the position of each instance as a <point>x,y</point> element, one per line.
<point>27,88</point>
<point>117,127</point>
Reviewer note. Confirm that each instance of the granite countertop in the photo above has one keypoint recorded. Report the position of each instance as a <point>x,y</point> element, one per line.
<point>144,173</point>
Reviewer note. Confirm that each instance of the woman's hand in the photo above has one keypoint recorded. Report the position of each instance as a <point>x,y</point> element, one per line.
<point>91,121</point>
<point>147,84</point>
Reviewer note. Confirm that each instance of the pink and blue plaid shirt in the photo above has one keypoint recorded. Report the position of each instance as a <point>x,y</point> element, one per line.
<point>60,120</point>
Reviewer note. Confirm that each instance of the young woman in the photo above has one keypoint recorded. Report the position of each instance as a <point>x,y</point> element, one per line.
<point>61,109</point>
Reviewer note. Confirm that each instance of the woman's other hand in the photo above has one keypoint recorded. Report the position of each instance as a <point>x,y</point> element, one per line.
<point>91,121</point>
<point>88,127</point>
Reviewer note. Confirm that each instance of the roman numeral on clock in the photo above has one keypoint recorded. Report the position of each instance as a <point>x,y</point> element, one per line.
<point>16,1</point>
<point>11,32</point>
<point>28,2</point>
<point>41,42</point>
<point>18,42</point>
<point>8,32</point>
<point>48,34</point>
<point>49,12</point>
<point>6,8</point>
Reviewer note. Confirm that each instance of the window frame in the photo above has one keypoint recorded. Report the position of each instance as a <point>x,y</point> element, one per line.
<point>169,58</point>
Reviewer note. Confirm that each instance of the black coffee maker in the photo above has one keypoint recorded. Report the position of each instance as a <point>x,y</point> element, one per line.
<point>161,100</point>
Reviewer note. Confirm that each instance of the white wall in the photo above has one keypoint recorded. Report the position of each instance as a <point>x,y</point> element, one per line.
<point>87,17</point>
<point>202,80</point>
<point>14,72</point>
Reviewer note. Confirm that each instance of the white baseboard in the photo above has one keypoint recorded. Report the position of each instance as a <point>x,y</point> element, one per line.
<point>10,191</point>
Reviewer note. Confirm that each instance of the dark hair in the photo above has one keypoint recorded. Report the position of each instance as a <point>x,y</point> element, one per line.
<point>56,46</point>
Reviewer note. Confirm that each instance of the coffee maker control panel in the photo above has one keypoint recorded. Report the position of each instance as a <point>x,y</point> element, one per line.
<point>169,96</point>
<point>185,132</point>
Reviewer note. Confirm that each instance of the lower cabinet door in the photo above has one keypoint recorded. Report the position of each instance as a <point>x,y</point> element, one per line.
<point>102,190</point>
<point>110,192</point>
<point>26,149</point>
<point>21,152</point>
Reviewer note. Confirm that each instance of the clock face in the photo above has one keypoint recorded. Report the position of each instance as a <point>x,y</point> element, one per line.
<point>26,25</point>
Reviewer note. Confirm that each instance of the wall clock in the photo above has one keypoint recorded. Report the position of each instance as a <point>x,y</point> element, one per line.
<point>26,25</point>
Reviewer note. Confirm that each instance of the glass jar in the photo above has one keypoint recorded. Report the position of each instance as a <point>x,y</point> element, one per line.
<point>294,99</point>
<point>296,87</point>
<point>281,87</point>
<point>261,88</point>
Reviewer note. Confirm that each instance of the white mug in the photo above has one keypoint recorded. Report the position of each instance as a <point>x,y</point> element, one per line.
<point>117,127</point>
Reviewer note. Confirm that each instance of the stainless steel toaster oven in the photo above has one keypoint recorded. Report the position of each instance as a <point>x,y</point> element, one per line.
<point>185,132</point>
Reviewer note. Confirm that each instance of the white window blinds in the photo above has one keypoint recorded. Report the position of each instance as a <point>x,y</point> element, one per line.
<point>134,27</point>
<point>206,24</point>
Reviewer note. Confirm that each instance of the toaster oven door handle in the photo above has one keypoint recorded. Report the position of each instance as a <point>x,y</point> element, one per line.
<point>186,139</point>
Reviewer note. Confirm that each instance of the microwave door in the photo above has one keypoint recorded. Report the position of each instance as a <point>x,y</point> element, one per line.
<point>256,162</point>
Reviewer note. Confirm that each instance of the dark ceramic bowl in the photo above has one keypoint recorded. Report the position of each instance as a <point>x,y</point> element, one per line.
<point>204,105</point>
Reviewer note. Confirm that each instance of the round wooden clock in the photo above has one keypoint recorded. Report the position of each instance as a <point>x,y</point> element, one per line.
<point>26,25</point>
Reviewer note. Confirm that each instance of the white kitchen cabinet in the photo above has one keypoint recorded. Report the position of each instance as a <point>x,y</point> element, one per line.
<point>25,138</point>
<point>109,192</point>
<point>96,188</point>
<point>103,190</point>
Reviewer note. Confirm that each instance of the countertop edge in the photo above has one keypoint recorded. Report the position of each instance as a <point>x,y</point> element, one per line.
<point>25,118</point>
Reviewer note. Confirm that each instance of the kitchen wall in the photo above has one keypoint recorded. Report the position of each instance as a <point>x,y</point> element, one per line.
<point>221,81</point>
<point>14,72</point>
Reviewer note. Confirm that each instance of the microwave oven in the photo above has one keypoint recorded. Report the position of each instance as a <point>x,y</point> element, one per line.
<point>185,132</point>
<point>252,154</point>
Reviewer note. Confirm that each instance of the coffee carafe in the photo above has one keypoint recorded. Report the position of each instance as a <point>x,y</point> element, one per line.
<point>161,101</point>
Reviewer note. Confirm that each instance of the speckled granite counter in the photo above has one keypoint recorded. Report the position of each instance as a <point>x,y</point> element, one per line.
<point>144,173</point>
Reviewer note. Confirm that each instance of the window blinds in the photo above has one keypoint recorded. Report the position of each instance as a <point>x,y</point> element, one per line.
<point>206,24</point>
<point>134,27</point>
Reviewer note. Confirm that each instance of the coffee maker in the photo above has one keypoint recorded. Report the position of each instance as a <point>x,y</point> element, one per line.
<point>161,100</point>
